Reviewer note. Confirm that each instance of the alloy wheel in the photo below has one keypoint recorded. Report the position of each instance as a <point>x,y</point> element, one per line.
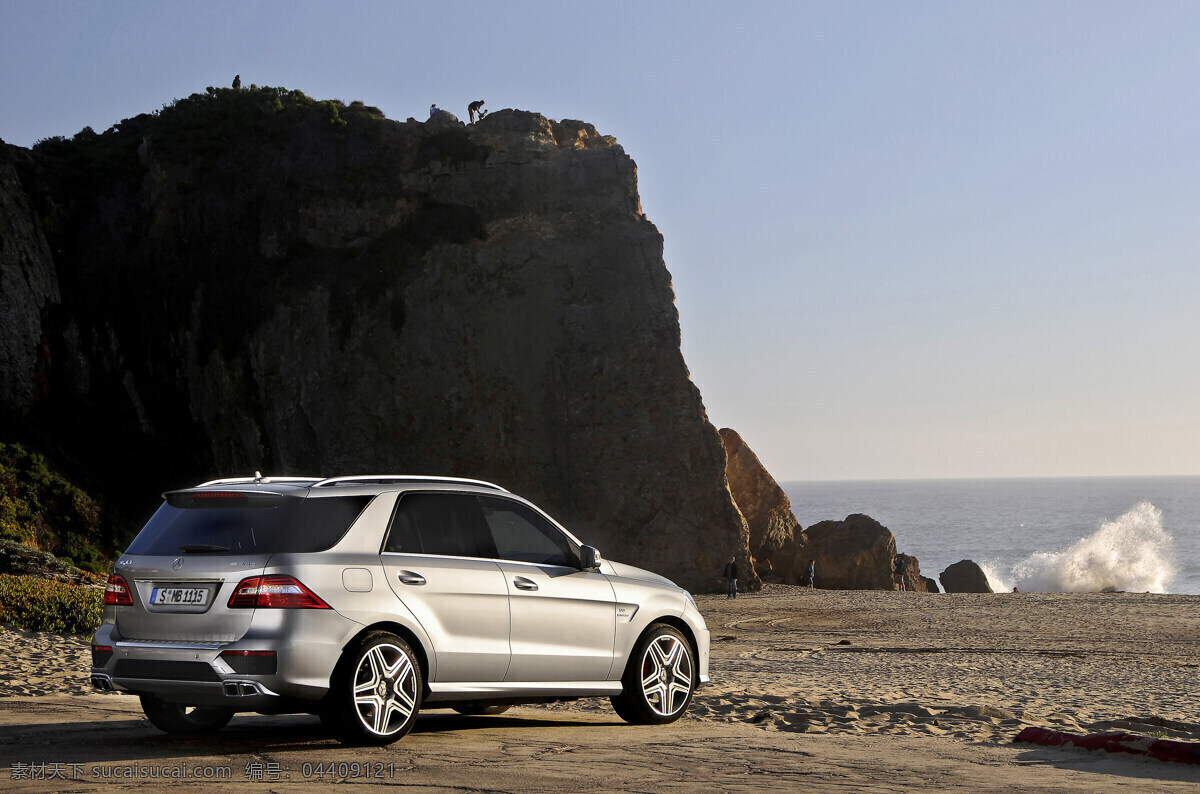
<point>385,689</point>
<point>666,675</point>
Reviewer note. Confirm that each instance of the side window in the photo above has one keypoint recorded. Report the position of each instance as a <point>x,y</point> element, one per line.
<point>438,523</point>
<point>521,534</point>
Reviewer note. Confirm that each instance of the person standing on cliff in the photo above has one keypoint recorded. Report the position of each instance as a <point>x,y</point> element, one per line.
<point>731,578</point>
<point>901,570</point>
<point>475,108</point>
<point>810,574</point>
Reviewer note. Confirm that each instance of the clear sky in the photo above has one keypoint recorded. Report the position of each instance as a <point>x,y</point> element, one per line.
<point>908,239</point>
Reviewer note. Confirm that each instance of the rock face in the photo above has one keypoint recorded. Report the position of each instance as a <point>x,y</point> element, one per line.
<point>776,540</point>
<point>965,576</point>
<point>931,585</point>
<point>28,287</point>
<point>253,280</point>
<point>857,554</point>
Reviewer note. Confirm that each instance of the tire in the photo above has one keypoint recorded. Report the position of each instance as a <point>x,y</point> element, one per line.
<point>376,692</point>
<point>182,718</point>
<point>481,709</point>
<point>659,680</point>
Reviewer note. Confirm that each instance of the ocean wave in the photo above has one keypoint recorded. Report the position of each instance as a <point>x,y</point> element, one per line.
<point>1132,552</point>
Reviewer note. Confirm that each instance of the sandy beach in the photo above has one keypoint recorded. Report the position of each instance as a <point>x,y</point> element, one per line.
<point>849,690</point>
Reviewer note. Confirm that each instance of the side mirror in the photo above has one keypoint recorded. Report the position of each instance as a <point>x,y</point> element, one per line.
<point>589,558</point>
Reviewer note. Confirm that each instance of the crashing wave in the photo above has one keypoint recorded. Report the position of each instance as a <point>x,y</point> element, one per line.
<point>1131,553</point>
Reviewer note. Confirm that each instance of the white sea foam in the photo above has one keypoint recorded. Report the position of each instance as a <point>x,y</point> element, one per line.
<point>999,581</point>
<point>1131,553</point>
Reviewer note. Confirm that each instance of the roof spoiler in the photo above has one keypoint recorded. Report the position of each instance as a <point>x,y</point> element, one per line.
<point>256,479</point>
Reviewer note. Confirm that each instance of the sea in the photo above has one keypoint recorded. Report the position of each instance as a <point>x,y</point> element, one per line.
<point>1137,534</point>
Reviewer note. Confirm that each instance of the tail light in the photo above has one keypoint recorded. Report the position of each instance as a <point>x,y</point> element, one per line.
<point>274,592</point>
<point>117,593</point>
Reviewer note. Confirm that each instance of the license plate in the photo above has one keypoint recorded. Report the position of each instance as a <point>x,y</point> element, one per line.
<point>184,596</point>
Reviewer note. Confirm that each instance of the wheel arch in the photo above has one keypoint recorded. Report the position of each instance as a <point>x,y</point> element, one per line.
<point>683,628</point>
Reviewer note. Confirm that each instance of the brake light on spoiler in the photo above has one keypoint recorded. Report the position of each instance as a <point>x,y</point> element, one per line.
<point>274,592</point>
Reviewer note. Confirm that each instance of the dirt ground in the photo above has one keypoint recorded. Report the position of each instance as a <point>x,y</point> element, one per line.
<point>833,691</point>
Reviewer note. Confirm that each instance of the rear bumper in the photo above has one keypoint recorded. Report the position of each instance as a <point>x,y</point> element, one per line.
<point>196,672</point>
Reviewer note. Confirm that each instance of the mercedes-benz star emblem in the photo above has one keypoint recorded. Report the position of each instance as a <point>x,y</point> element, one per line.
<point>177,563</point>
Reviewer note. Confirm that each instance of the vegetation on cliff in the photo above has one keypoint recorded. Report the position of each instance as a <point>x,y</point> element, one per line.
<point>40,509</point>
<point>204,125</point>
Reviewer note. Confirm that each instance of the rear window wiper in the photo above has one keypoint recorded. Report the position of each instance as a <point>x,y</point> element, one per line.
<point>202,547</point>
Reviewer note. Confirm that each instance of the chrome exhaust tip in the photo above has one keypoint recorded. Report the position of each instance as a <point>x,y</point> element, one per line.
<point>241,689</point>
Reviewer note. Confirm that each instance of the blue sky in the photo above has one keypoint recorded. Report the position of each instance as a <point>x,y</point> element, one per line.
<point>908,239</point>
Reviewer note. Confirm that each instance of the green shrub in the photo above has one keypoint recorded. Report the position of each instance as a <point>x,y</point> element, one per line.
<point>39,508</point>
<point>37,604</point>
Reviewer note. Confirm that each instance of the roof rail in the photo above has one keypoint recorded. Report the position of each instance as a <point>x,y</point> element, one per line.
<point>395,479</point>
<point>253,480</point>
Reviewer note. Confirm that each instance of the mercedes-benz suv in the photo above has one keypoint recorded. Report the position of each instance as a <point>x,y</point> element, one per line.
<point>366,599</point>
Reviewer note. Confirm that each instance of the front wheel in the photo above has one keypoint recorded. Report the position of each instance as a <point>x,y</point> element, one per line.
<point>377,691</point>
<point>182,718</point>
<point>659,680</point>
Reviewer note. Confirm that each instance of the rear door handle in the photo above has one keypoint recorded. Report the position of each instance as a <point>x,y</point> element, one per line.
<point>524,584</point>
<point>411,577</point>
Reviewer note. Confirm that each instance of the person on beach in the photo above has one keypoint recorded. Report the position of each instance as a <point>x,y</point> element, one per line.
<point>901,570</point>
<point>810,574</point>
<point>731,578</point>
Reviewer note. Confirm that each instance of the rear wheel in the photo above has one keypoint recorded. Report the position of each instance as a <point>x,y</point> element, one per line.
<point>481,709</point>
<point>182,718</point>
<point>377,691</point>
<point>659,680</point>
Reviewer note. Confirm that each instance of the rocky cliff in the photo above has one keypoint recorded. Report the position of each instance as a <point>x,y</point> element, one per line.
<point>858,553</point>
<point>252,280</point>
<point>28,287</point>
<point>776,541</point>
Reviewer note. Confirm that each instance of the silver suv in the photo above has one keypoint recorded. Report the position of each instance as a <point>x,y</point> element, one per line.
<point>364,599</point>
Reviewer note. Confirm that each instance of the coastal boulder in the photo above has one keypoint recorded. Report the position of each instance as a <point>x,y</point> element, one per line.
<point>914,582</point>
<point>931,585</point>
<point>853,554</point>
<point>965,576</point>
<point>776,542</point>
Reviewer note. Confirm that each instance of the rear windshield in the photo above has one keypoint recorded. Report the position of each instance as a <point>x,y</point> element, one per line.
<point>242,525</point>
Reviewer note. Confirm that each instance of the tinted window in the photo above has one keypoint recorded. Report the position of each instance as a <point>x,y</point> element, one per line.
<point>439,523</point>
<point>524,535</point>
<point>264,525</point>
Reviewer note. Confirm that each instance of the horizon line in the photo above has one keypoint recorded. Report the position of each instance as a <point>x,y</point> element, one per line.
<point>993,478</point>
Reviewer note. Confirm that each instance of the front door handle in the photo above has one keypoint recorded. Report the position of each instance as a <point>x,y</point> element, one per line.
<point>411,577</point>
<point>524,584</point>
